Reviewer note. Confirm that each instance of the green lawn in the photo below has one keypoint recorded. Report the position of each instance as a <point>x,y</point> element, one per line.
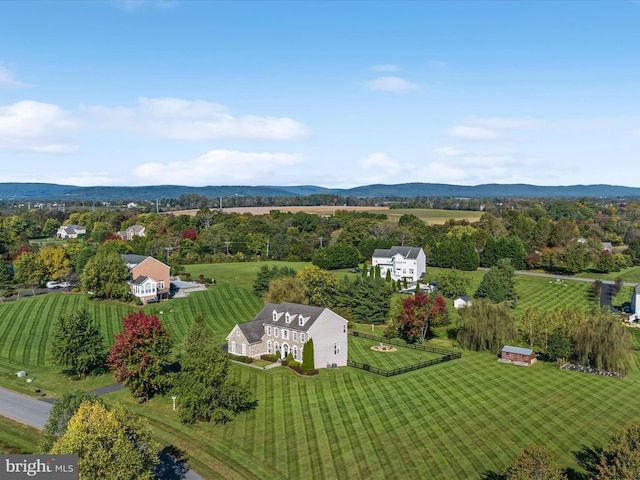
<point>453,420</point>
<point>17,438</point>
<point>360,351</point>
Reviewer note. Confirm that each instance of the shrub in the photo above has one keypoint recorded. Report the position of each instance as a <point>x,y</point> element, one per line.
<point>137,301</point>
<point>241,358</point>
<point>269,357</point>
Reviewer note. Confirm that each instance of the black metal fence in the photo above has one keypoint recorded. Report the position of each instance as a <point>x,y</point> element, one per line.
<point>447,355</point>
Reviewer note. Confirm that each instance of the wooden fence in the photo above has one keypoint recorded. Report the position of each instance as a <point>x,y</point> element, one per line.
<point>447,355</point>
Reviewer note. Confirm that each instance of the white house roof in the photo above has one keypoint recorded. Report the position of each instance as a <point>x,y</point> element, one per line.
<point>521,351</point>
<point>406,252</point>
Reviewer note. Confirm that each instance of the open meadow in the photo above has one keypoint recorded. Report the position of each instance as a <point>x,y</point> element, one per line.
<point>455,420</point>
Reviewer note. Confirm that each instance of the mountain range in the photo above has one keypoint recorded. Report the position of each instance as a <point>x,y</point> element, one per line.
<point>55,192</point>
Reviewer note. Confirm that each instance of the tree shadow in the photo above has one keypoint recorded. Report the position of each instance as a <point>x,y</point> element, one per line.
<point>172,464</point>
<point>587,458</point>
<point>490,475</point>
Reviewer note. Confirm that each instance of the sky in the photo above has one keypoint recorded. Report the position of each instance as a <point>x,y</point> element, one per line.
<point>330,93</point>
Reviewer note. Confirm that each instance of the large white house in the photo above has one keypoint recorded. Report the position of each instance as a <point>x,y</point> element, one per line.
<point>71,231</point>
<point>285,327</point>
<point>402,262</point>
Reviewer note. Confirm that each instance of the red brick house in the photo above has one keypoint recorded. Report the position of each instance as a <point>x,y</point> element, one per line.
<point>518,355</point>
<point>149,277</point>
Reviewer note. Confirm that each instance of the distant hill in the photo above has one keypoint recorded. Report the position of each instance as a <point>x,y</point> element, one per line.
<point>54,192</point>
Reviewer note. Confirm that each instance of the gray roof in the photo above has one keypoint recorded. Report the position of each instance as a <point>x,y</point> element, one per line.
<point>406,252</point>
<point>254,329</point>
<point>70,228</point>
<point>133,259</point>
<point>521,351</point>
<point>140,280</point>
<point>135,228</point>
<point>465,298</point>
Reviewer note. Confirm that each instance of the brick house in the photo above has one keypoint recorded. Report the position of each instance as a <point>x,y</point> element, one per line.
<point>285,327</point>
<point>518,355</point>
<point>149,277</point>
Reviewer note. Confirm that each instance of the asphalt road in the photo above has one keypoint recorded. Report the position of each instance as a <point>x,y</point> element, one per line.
<point>24,409</point>
<point>35,413</point>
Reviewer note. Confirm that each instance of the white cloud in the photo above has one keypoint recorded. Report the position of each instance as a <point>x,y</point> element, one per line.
<point>377,167</point>
<point>474,133</point>
<point>30,126</point>
<point>218,167</point>
<point>180,119</point>
<point>392,84</point>
<point>7,80</point>
<point>448,151</point>
<point>387,67</point>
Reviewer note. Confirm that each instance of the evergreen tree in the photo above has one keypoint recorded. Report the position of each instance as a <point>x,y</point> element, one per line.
<point>205,391</point>
<point>308,356</point>
<point>77,343</point>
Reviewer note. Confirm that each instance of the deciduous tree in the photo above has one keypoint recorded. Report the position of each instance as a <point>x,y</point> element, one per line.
<point>621,458</point>
<point>536,462</point>
<point>453,283</point>
<point>140,354</point>
<point>485,326</point>
<point>109,444</point>
<point>106,276</point>
<point>320,285</point>
<point>419,313</point>
<point>77,343</point>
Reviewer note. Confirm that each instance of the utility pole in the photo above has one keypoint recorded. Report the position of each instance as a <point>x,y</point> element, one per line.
<point>267,248</point>
<point>157,207</point>
<point>320,242</point>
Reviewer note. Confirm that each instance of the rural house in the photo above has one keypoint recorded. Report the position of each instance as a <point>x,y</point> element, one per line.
<point>149,277</point>
<point>402,262</point>
<point>460,302</point>
<point>71,231</point>
<point>517,355</point>
<point>285,327</point>
<point>132,231</point>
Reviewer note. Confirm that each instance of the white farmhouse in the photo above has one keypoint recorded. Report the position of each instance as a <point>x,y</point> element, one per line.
<point>71,231</point>
<point>402,262</point>
<point>285,327</point>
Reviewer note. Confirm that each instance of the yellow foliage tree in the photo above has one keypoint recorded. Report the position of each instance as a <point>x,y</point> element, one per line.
<point>55,262</point>
<point>109,443</point>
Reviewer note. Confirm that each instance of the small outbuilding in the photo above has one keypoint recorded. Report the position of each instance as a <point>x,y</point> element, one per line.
<point>460,302</point>
<point>518,355</point>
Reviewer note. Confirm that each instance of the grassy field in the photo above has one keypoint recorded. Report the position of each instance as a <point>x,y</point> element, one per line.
<point>450,421</point>
<point>17,438</point>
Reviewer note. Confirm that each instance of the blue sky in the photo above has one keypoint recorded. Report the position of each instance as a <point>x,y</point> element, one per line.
<point>329,93</point>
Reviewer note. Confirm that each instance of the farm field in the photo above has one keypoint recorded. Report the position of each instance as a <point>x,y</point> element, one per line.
<point>454,420</point>
<point>429,215</point>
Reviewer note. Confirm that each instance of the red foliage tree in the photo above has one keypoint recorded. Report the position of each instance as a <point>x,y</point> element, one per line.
<point>140,353</point>
<point>190,234</point>
<point>23,249</point>
<point>419,313</point>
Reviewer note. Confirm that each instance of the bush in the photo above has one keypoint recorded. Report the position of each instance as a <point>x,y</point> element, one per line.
<point>300,371</point>
<point>241,358</point>
<point>269,357</point>
<point>137,301</point>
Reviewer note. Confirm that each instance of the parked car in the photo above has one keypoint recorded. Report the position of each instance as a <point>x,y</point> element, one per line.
<point>64,285</point>
<point>356,270</point>
<point>52,284</point>
<point>153,300</point>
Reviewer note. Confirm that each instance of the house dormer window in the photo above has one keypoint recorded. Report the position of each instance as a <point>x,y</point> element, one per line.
<point>275,316</point>
<point>287,317</point>
<point>301,320</point>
